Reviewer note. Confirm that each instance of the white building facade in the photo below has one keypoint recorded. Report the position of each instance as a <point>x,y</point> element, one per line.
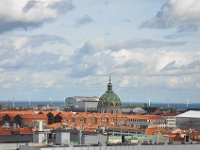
<point>82,103</point>
<point>189,120</point>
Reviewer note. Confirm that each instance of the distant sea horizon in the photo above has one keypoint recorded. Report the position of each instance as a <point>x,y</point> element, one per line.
<point>23,103</point>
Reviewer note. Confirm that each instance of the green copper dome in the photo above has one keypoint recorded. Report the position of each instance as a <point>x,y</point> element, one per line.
<point>109,97</point>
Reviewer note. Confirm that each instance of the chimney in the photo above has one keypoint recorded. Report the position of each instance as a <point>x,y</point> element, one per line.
<point>40,125</point>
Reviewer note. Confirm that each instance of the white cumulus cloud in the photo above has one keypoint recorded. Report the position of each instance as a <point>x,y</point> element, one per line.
<point>172,69</point>
<point>25,14</point>
<point>182,13</point>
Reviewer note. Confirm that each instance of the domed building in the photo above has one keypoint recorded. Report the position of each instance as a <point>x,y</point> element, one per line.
<point>109,102</point>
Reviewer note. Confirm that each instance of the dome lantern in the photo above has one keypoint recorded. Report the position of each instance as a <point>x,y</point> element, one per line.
<point>109,84</point>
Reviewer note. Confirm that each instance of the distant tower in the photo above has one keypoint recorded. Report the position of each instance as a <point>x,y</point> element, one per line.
<point>29,102</point>
<point>109,102</point>
<point>51,102</point>
<point>149,102</point>
<point>13,103</point>
<point>187,102</point>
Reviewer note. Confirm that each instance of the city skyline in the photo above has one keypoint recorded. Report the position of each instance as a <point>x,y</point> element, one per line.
<point>63,48</point>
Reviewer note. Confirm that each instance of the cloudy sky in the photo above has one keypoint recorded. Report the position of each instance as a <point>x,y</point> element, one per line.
<point>61,48</point>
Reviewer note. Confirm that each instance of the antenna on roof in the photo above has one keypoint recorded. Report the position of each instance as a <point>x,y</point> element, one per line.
<point>109,78</point>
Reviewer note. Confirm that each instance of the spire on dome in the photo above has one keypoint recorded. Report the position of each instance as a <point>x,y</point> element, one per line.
<point>109,84</point>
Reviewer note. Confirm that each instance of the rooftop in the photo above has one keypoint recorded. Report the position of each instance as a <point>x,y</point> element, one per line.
<point>190,114</point>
